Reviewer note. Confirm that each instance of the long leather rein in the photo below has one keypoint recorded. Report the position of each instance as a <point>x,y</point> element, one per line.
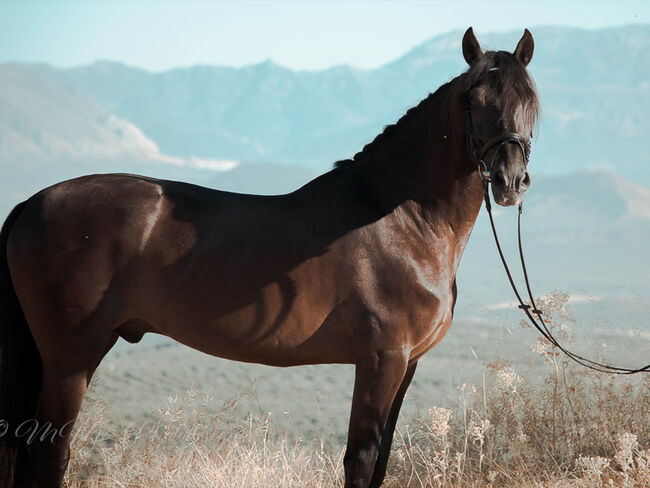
<point>531,309</point>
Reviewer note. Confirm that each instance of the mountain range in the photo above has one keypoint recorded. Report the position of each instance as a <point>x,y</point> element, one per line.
<point>593,86</point>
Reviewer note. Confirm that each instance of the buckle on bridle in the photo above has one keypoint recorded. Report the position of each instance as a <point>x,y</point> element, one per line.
<point>484,172</point>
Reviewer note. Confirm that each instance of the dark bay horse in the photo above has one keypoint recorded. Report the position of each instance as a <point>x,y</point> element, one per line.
<point>357,267</point>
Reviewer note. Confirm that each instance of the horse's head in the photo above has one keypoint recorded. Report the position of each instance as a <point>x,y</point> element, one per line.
<point>502,108</point>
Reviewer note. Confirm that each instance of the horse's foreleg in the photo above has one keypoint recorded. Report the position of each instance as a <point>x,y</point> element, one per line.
<point>389,429</point>
<point>377,380</point>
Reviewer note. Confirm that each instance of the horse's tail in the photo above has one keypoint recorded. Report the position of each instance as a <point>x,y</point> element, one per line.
<point>20,366</point>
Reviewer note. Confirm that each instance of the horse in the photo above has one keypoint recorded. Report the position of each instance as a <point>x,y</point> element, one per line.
<point>356,267</point>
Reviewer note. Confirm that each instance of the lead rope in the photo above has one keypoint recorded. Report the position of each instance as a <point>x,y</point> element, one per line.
<point>531,309</point>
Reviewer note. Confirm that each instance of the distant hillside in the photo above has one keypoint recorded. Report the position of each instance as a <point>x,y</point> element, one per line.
<point>594,88</point>
<point>43,120</point>
<point>584,233</point>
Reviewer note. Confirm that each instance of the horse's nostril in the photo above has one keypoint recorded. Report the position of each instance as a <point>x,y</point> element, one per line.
<point>526,180</point>
<point>498,179</point>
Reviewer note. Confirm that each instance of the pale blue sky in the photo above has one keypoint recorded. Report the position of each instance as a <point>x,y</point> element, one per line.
<point>300,35</point>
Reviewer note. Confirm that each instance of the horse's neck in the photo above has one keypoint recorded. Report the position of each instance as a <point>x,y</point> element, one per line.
<point>433,180</point>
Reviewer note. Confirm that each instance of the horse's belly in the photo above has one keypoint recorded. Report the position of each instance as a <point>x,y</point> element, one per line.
<point>276,328</point>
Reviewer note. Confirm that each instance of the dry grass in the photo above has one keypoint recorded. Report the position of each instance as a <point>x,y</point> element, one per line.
<point>563,427</point>
<point>189,445</point>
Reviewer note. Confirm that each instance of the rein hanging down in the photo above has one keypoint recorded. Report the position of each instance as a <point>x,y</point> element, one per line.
<point>531,309</point>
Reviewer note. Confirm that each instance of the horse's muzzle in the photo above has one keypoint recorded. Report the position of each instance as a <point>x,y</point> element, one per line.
<point>509,185</point>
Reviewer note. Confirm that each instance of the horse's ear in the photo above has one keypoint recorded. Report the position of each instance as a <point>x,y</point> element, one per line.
<point>471,47</point>
<point>525,48</point>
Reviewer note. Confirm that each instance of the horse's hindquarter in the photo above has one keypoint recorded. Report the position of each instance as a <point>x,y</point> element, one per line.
<point>66,248</point>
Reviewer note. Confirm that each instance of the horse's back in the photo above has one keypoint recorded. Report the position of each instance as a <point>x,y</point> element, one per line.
<point>121,209</point>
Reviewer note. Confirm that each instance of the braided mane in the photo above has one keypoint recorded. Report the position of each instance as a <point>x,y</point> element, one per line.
<point>500,68</point>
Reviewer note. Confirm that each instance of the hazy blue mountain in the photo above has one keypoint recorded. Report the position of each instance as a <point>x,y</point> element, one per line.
<point>43,120</point>
<point>586,233</point>
<point>593,84</point>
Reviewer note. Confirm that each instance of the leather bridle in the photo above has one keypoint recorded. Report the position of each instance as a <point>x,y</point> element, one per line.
<point>479,150</point>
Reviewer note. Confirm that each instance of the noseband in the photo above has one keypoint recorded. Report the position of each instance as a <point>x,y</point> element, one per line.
<point>480,149</point>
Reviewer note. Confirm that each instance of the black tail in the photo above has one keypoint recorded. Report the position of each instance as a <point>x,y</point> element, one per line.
<point>20,366</point>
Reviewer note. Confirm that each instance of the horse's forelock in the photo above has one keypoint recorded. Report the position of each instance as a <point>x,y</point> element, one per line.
<point>518,87</point>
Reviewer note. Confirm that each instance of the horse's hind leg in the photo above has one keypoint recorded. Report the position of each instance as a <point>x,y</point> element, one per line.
<point>62,392</point>
<point>66,374</point>
<point>49,447</point>
<point>389,429</point>
<point>377,380</point>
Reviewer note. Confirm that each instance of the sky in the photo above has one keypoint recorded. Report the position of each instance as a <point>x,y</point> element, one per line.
<point>297,34</point>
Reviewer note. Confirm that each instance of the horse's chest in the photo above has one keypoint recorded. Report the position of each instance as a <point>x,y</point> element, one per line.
<point>429,300</point>
<point>410,292</point>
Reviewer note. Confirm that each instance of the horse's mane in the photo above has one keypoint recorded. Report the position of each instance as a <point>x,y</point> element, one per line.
<point>509,73</point>
<point>392,129</point>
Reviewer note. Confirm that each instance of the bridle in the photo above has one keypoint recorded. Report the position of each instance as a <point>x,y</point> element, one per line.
<point>479,150</point>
